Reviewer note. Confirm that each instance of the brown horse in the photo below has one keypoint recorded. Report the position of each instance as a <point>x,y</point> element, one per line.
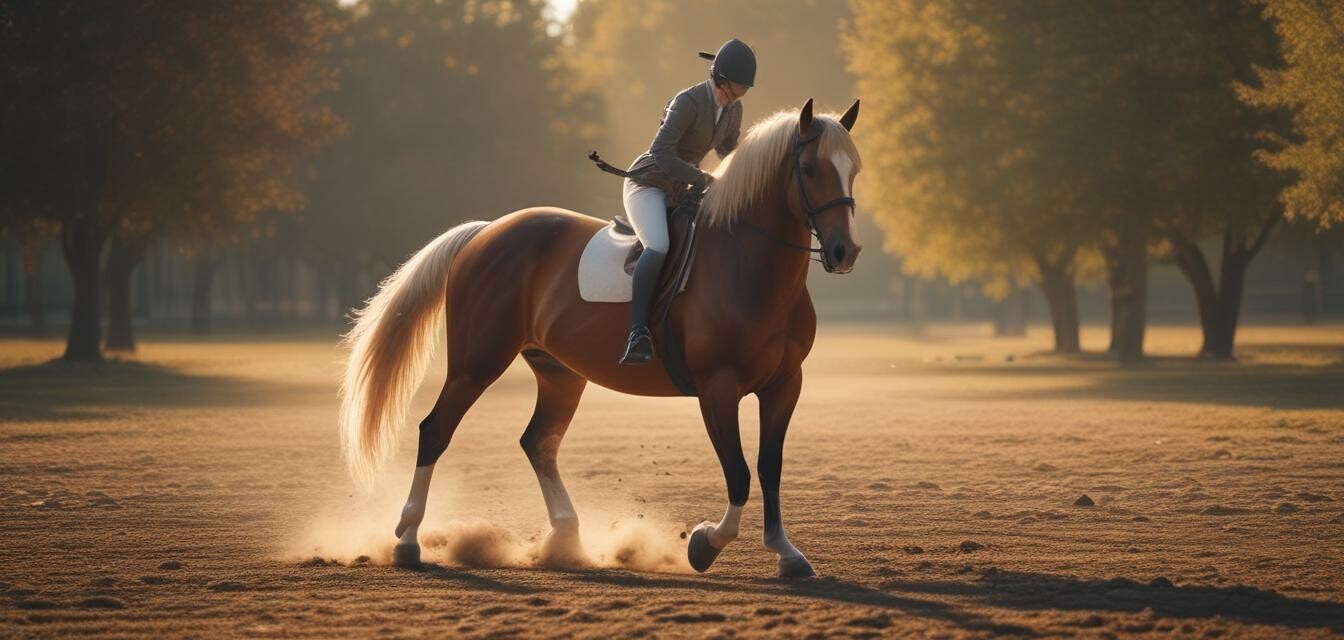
<point>510,286</point>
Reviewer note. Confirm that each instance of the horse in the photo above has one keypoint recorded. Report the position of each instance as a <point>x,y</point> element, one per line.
<point>509,287</point>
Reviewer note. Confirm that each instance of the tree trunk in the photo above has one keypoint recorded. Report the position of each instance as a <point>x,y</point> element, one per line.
<point>34,297</point>
<point>82,245</point>
<point>1220,303</point>
<point>203,276</point>
<point>1219,341</point>
<point>1127,275</point>
<point>125,253</point>
<point>1058,286</point>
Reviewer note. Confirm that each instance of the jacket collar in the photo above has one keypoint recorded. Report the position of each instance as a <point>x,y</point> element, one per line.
<point>713,104</point>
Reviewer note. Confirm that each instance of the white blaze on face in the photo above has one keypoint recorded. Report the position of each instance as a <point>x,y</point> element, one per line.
<point>844,165</point>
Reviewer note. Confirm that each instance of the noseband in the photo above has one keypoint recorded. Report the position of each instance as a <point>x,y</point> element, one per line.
<point>810,212</point>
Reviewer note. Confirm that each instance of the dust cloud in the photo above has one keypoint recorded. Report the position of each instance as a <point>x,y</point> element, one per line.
<point>361,533</point>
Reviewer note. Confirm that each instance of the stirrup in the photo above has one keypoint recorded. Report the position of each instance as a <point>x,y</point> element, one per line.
<point>639,346</point>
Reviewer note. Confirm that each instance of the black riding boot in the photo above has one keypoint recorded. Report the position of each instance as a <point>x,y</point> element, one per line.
<point>639,346</point>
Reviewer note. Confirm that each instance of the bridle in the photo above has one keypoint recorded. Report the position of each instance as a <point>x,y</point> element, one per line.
<point>810,212</point>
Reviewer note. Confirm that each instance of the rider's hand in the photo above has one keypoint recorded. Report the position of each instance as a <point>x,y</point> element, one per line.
<point>706,179</point>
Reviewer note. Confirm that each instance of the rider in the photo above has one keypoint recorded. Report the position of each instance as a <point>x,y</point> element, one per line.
<point>702,117</point>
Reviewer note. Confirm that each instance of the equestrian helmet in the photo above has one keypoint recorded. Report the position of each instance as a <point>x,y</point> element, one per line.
<point>735,62</point>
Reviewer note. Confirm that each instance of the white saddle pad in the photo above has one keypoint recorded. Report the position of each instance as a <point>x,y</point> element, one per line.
<point>602,276</point>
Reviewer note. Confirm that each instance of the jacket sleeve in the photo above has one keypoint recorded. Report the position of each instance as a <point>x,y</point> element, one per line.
<point>729,141</point>
<point>679,117</point>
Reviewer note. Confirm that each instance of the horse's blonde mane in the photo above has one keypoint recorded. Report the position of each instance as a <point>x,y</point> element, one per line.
<point>741,179</point>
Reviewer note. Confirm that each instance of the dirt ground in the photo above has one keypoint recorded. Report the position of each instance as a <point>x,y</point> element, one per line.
<point>197,490</point>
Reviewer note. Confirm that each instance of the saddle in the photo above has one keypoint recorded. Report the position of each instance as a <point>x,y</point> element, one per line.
<point>606,271</point>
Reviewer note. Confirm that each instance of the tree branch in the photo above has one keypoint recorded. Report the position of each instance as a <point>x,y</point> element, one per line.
<point>1262,237</point>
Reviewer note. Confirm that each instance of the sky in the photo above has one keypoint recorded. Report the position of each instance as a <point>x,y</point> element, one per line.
<point>561,9</point>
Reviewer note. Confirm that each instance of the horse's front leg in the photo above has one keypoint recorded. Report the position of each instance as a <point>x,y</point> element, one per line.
<point>777,403</point>
<point>718,404</point>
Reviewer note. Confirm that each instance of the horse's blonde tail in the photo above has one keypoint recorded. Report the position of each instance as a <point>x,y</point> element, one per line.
<point>391,345</point>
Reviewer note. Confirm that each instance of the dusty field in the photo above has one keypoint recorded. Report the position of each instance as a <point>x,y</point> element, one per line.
<point>197,491</point>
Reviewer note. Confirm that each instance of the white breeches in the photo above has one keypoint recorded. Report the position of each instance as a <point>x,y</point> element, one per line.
<point>647,210</point>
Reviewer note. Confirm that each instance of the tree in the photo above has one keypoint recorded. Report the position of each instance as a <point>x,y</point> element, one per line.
<point>454,110</point>
<point>60,129</point>
<point>1203,179</point>
<point>239,126</point>
<point>976,111</point>
<point>1311,86</point>
<point>132,116</point>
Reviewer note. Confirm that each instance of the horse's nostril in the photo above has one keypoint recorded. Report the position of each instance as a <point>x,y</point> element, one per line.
<point>838,253</point>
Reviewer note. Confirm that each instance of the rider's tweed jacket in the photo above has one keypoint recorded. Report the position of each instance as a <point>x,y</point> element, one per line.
<point>687,133</point>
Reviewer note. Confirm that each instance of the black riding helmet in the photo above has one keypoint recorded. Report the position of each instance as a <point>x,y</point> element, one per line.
<point>735,62</point>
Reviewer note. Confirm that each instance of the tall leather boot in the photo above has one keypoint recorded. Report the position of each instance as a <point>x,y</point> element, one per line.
<point>639,345</point>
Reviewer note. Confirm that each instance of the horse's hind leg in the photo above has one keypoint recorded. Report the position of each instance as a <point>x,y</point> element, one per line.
<point>558,393</point>
<point>468,376</point>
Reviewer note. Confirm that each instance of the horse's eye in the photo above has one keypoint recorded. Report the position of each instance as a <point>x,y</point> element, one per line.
<point>809,171</point>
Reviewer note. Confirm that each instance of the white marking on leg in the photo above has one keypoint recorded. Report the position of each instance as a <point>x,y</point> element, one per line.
<point>558,506</point>
<point>414,511</point>
<point>726,530</point>
<point>779,543</point>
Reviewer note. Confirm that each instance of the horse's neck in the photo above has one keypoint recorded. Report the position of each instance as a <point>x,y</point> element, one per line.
<point>757,269</point>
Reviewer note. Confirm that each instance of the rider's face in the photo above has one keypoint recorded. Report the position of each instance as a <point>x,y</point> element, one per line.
<point>728,92</point>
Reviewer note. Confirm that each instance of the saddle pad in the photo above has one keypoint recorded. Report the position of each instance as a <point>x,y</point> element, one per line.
<point>602,273</point>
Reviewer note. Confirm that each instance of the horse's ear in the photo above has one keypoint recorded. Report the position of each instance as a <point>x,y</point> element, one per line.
<point>805,118</point>
<point>850,116</point>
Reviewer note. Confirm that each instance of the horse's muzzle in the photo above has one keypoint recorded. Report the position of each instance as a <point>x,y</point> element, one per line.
<point>839,257</point>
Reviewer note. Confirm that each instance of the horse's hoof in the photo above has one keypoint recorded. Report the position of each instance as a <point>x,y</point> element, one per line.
<point>795,567</point>
<point>699,551</point>
<point>564,549</point>
<point>406,555</point>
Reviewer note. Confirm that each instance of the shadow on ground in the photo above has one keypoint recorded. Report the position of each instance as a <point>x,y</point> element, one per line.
<point>1009,590</point>
<point>825,589</point>
<point>61,390</point>
<point>1036,591</point>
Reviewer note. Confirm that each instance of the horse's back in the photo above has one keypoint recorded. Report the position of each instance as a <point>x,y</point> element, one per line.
<point>520,275</point>
<point>526,240</point>
<point>545,221</point>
